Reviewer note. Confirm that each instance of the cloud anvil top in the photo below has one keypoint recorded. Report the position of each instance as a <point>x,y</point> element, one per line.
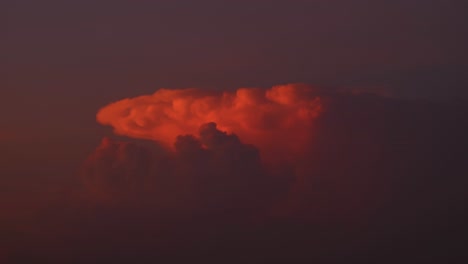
<point>258,116</point>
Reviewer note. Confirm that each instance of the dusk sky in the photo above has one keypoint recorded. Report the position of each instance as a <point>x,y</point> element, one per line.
<point>362,88</point>
<point>65,59</point>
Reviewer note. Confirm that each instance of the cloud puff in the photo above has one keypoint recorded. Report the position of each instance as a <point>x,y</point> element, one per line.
<point>214,171</point>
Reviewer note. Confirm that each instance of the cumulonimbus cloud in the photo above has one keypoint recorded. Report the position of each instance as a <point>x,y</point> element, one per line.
<point>378,173</point>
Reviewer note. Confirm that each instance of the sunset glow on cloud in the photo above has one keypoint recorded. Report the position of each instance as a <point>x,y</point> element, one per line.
<point>260,117</point>
<point>227,132</point>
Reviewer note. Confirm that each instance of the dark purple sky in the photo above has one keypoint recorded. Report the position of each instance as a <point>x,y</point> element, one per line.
<point>381,176</point>
<point>62,60</point>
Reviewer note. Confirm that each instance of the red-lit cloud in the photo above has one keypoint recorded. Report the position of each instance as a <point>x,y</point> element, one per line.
<point>281,116</point>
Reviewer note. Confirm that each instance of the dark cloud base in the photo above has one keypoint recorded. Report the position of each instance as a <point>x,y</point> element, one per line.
<point>383,181</point>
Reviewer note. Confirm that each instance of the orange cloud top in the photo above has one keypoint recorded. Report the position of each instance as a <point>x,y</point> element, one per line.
<point>277,119</point>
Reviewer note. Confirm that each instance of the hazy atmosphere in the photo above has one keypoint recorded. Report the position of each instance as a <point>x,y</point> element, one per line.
<point>233,131</point>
